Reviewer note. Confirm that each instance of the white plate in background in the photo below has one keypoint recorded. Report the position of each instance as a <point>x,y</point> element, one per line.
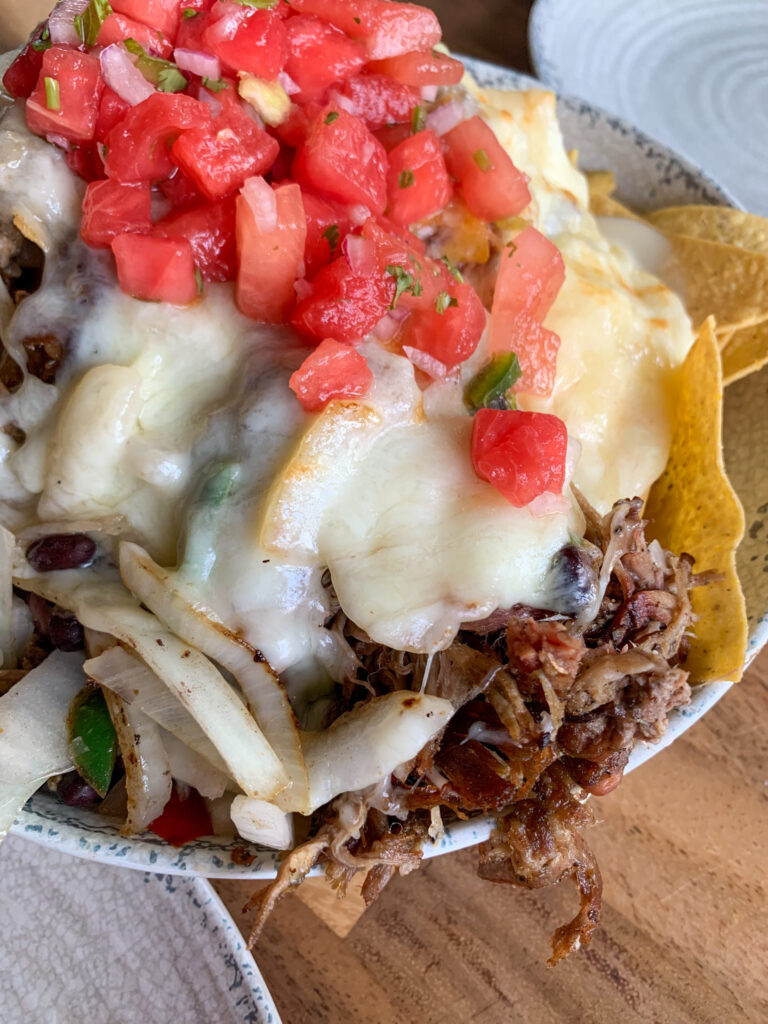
<point>692,73</point>
<point>84,942</point>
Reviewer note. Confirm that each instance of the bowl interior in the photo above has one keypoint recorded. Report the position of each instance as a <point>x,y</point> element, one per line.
<point>649,175</point>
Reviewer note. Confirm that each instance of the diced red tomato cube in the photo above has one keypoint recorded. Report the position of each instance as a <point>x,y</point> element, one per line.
<point>332,371</point>
<point>184,819</point>
<point>392,135</point>
<point>156,269</point>
<point>417,181</point>
<point>493,187</point>
<point>181,192</point>
<point>162,15</point>
<point>522,454</point>
<point>117,27</point>
<point>219,159</point>
<point>378,100</point>
<point>320,56</point>
<point>246,39</point>
<point>270,249</point>
<point>531,273</point>
<point>328,224</point>
<point>111,208</point>
<point>138,148</point>
<point>112,110</point>
<point>420,69</point>
<point>21,76</point>
<point>84,161</point>
<point>191,31</point>
<point>387,29</point>
<point>75,80</point>
<point>210,230</point>
<point>451,328</point>
<point>343,304</point>
<point>341,157</point>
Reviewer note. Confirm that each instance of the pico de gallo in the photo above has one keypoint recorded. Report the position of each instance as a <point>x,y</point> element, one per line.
<point>296,148</point>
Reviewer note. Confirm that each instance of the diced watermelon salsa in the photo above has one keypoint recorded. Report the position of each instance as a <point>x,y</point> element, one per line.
<point>290,148</point>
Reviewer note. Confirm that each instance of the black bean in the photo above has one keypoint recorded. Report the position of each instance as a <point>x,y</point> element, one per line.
<point>573,578</point>
<point>61,551</point>
<point>74,791</point>
<point>66,633</point>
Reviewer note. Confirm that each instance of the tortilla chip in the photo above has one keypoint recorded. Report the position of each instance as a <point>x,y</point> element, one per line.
<point>602,205</point>
<point>693,508</point>
<point>714,224</point>
<point>602,183</point>
<point>718,280</point>
<point>744,352</point>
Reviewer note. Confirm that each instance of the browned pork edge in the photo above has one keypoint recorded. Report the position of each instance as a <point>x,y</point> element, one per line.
<point>547,711</point>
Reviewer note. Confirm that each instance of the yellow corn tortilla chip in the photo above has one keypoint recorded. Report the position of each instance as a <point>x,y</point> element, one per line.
<point>714,224</point>
<point>602,205</point>
<point>714,279</point>
<point>693,508</point>
<point>745,351</point>
<point>602,183</point>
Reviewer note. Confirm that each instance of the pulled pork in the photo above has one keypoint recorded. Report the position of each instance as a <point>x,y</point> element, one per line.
<point>547,711</point>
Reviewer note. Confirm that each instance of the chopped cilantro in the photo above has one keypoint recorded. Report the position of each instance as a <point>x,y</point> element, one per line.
<point>333,116</point>
<point>419,120</point>
<point>199,281</point>
<point>332,235</point>
<point>404,283</point>
<point>189,12</point>
<point>44,42</point>
<point>164,75</point>
<point>406,179</point>
<point>453,269</point>
<point>262,4</point>
<point>357,21</point>
<point>214,84</point>
<point>482,160</point>
<point>443,301</point>
<point>52,94</point>
<point>88,23</point>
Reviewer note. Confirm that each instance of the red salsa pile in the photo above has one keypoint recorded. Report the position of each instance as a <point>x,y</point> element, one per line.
<point>290,146</point>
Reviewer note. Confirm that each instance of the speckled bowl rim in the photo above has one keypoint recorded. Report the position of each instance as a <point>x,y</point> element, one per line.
<point>85,834</point>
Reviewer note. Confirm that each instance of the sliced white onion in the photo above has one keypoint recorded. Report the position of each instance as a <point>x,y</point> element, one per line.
<point>61,21</point>
<point>122,75</point>
<point>261,198</point>
<point>218,812</point>
<point>160,591</point>
<point>445,117</point>
<point>360,255</point>
<point>34,739</point>
<point>197,63</point>
<point>288,83</point>
<point>427,363</point>
<point>366,744</point>
<point>148,780</point>
<point>7,639</point>
<point>262,823</point>
<point>188,767</point>
<point>127,676</point>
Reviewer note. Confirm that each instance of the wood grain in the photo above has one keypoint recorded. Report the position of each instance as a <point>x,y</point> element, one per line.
<point>682,846</point>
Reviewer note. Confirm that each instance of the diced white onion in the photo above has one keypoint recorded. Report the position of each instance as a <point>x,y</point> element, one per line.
<point>386,328</point>
<point>262,823</point>
<point>429,93</point>
<point>360,255</point>
<point>261,198</point>
<point>122,75</point>
<point>288,83</point>
<point>445,117</point>
<point>197,63</point>
<point>358,214</point>
<point>427,363</point>
<point>61,22</point>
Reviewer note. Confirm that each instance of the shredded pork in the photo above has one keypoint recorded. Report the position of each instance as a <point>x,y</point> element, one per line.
<point>547,710</point>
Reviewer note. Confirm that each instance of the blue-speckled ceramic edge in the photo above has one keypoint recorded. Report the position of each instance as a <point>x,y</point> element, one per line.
<point>251,999</point>
<point>648,175</point>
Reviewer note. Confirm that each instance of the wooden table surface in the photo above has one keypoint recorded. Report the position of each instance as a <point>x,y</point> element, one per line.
<point>682,846</point>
